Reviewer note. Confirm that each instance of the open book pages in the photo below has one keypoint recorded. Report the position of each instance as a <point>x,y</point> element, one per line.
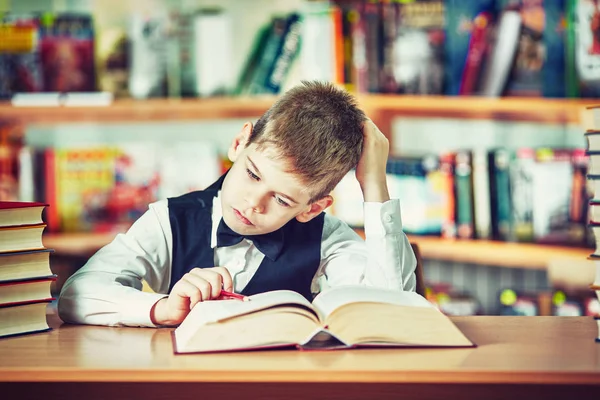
<point>350,316</point>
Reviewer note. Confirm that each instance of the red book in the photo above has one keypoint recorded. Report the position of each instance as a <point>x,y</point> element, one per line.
<point>17,213</point>
<point>478,48</point>
<point>26,291</point>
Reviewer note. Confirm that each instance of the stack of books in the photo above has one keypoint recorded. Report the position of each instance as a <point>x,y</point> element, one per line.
<point>25,274</point>
<point>591,121</point>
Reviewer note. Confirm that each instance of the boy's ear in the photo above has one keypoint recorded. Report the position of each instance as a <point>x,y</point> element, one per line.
<point>240,141</point>
<point>315,209</point>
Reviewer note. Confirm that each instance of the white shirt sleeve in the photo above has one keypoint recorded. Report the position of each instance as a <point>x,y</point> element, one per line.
<point>384,259</point>
<point>107,289</point>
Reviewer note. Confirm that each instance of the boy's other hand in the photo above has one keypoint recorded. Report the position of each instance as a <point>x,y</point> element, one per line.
<point>198,285</point>
<point>370,171</point>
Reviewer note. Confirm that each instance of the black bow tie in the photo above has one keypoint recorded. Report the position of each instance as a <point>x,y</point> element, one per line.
<point>270,244</point>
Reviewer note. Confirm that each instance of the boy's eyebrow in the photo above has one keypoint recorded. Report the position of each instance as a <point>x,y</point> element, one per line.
<point>258,173</point>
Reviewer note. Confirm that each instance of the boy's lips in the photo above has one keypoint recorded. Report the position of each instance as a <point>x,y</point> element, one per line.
<point>240,217</point>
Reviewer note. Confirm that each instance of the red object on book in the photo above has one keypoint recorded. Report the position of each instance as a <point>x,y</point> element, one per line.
<point>225,294</point>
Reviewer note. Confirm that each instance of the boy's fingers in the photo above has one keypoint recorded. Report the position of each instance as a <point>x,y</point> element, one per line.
<point>226,277</point>
<point>187,291</point>
<point>199,280</point>
<point>214,280</point>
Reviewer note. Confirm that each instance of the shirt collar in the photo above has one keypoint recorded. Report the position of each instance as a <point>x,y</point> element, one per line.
<point>217,214</point>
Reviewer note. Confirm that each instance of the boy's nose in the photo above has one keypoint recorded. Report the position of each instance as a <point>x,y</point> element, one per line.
<point>255,204</point>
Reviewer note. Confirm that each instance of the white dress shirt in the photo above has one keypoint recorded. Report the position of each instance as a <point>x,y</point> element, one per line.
<point>107,289</point>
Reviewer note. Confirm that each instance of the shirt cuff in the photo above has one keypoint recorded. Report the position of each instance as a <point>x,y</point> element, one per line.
<point>137,311</point>
<point>382,218</point>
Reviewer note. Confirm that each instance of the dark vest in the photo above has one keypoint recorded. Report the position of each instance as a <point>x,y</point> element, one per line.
<point>191,224</point>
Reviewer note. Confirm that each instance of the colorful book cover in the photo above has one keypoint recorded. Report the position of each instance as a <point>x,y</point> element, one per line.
<point>67,52</point>
<point>83,178</point>
<point>417,180</point>
<point>20,64</point>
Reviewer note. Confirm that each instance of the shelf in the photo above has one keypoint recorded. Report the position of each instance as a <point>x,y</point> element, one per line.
<point>378,106</point>
<point>502,254</point>
<point>543,110</point>
<point>510,255</point>
<point>141,111</point>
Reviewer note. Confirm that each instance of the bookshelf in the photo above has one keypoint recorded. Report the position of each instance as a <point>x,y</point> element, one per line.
<point>484,252</point>
<point>381,108</point>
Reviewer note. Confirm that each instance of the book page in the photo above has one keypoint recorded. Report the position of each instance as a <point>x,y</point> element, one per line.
<point>219,310</point>
<point>332,299</point>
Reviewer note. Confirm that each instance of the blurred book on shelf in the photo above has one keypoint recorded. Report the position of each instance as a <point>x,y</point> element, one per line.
<point>536,195</point>
<point>106,188</point>
<point>427,47</point>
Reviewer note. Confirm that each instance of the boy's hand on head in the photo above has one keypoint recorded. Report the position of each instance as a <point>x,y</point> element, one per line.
<point>198,285</point>
<point>370,171</point>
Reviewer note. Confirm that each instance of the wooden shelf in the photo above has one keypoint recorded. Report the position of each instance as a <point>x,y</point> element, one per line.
<point>141,110</point>
<point>484,252</point>
<point>556,111</point>
<point>502,254</point>
<point>379,106</point>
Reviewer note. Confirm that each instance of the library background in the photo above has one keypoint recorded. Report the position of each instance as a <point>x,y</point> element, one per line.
<point>106,106</point>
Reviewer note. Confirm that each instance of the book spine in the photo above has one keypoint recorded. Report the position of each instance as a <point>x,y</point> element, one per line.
<point>554,37</point>
<point>459,24</point>
<point>476,53</point>
<point>500,205</point>
<point>285,56</point>
<point>253,60</point>
<point>481,191</point>
<point>571,78</point>
<point>338,44</point>
<point>269,55</point>
<point>521,184</point>
<point>465,211</point>
<point>359,50</point>
<point>449,218</point>
<point>389,22</point>
<point>372,17</point>
<point>349,18</point>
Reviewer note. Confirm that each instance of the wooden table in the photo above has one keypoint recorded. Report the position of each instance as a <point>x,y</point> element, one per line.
<point>516,357</point>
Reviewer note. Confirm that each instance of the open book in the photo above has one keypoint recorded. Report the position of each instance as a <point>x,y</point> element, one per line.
<point>342,317</point>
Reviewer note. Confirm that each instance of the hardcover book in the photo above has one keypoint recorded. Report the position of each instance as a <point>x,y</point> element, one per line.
<point>343,317</point>
<point>14,213</point>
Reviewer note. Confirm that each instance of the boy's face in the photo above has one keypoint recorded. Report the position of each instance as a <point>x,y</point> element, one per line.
<point>258,195</point>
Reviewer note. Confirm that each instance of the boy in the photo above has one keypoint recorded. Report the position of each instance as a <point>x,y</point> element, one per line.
<point>260,227</point>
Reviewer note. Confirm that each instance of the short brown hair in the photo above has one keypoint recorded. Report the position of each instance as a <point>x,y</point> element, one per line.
<point>319,129</point>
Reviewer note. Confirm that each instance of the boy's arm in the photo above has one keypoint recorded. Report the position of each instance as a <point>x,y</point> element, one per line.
<point>371,168</point>
<point>387,259</point>
<point>107,289</point>
<point>384,259</point>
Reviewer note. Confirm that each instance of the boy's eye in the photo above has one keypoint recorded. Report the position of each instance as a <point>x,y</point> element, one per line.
<point>252,175</point>
<point>281,202</point>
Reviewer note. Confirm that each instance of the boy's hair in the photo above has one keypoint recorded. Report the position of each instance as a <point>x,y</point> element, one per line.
<point>318,128</point>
